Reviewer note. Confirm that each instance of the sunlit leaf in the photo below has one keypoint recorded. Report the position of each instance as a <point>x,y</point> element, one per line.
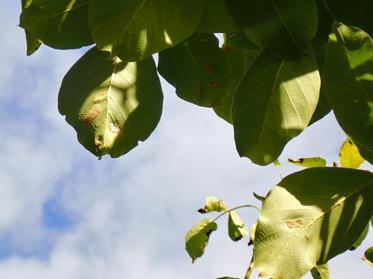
<point>111,104</point>
<point>349,155</point>
<point>58,23</point>
<point>197,238</point>
<point>284,27</point>
<point>310,217</point>
<point>135,30</point>
<point>368,255</point>
<point>320,272</point>
<point>236,228</point>
<point>213,204</point>
<point>309,162</point>
<point>201,74</point>
<point>348,81</point>
<point>274,103</point>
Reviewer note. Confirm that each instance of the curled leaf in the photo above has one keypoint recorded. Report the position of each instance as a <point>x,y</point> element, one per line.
<point>236,228</point>
<point>213,204</point>
<point>198,236</point>
<point>320,272</point>
<point>311,162</point>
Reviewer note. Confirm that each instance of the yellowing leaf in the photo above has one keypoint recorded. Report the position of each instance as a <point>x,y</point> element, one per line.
<point>349,155</point>
<point>236,228</point>
<point>320,272</point>
<point>311,162</point>
<point>213,204</point>
<point>198,236</point>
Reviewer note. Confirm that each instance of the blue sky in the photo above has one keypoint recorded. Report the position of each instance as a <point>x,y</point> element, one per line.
<point>64,214</point>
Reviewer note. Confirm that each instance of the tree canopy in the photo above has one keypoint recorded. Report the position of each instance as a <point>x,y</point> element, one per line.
<point>283,66</point>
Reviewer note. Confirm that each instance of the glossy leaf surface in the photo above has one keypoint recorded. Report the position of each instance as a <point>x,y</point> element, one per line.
<point>310,217</point>
<point>368,255</point>
<point>197,238</point>
<point>348,79</point>
<point>136,29</point>
<point>59,23</point>
<point>274,103</point>
<point>110,103</point>
<point>198,69</point>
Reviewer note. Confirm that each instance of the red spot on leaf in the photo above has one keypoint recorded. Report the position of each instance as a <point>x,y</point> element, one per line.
<point>209,68</point>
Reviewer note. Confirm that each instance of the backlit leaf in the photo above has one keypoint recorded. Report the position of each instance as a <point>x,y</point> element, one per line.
<point>284,27</point>
<point>236,228</point>
<point>309,162</point>
<point>320,272</point>
<point>213,204</point>
<point>136,29</point>
<point>274,103</point>
<point>361,238</point>
<point>349,155</point>
<point>201,74</point>
<point>111,104</point>
<point>310,217</point>
<point>197,238</point>
<point>216,18</point>
<point>348,81</point>
<point>59,23</point>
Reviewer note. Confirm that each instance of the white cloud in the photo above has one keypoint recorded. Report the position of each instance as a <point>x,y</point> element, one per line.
<point>130,214</point>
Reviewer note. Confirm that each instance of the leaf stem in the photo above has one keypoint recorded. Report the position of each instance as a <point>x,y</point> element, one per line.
<point>234,208</point>
<point>250,268</point>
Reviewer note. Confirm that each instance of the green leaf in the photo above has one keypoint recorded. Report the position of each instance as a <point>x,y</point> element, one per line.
<point>349,155</point>
<point>240,55</point>
<point>284,27</point>
<point>368,255</point>
<point>216,18</point>
<point>310,217</point>
<point>197,238</point>
<point>274,103</point>
<point>33,43</point>
<point>361,238</point>
<point>357,13</point>
<point>309,162</point>
<point>320,272</point>
<point>213,204</point>
<point>201,74</point>
<point>111,104</point>
<point>134,29</point>
<point>236,228</point>
<point>59,23</point>
<point>348,81</point>
<point>259,197</point>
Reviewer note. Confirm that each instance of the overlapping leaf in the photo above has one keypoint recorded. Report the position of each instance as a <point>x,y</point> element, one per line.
<point>216,18</point>
<point>136,29</point>
<point>236,228</point>
<point>348,82</point>
<point>274,103</point>
<point>349,155</point>
<point>213,204</point>
<point>198,69</point>
<point>310,217</point>
<point>357,13</point>
<point>285,27</point>
<point>59,23</point>
<point>111,104</point>
<point>320,272</point>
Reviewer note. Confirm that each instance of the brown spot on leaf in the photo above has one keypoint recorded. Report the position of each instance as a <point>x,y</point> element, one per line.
<point>209,68</point>
<point>92,114</point>
<point>213,84</point>
<point>227,48</point>
<point>295,223</point>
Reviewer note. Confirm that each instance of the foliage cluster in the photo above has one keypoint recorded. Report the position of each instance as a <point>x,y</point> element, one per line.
<point>284,65</point>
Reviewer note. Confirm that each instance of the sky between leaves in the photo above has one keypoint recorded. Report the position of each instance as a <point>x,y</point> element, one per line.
<point>63,214</point>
